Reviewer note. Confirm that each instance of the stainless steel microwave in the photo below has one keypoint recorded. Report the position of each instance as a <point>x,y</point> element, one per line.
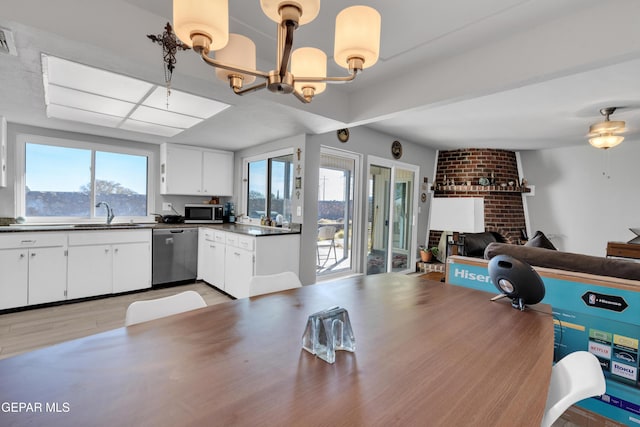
<point>201,213</point>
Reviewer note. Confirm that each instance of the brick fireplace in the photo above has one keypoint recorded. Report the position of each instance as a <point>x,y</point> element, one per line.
<point>459,174</point>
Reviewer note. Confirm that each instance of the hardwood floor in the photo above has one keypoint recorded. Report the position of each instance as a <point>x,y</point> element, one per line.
<point>41,327</point>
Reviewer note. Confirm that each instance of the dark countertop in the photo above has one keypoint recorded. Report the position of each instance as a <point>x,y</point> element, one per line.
<point>250,230</point>
<point>254,230</point>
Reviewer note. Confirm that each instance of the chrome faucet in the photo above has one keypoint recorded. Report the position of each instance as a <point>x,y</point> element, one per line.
<point>110,214</point>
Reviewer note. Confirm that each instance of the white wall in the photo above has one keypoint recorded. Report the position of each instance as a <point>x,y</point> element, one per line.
<point>575,204</point>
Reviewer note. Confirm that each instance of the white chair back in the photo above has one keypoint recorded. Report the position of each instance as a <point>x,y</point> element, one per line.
<point>575,377</point>
<point>327,232</point>
<point>267,284</point>
<point>143,311</point>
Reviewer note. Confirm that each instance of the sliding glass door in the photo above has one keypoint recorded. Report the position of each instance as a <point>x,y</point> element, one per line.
<point>391,234</point>
<point>337,192</point>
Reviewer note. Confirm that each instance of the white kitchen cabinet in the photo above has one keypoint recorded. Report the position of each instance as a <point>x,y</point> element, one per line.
<point>131,263</point>
<point>217,173</point>
<point>238,271</point>
<point>228,260</point>
<point>211,257</point>
<point>47,275</point>
<point>3,152</point>
<point>195,171</point>
<point>34,268</point>
<point>105,262</point>
<point>89,271</point>
<point>14,288</point>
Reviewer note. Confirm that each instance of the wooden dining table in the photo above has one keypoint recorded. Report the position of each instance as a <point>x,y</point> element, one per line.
<point>427,353</point>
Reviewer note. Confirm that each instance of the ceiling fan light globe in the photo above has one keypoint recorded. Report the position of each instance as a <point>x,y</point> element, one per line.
<point>606,141</point>
<point>209,18</point>
<point>606,127</point>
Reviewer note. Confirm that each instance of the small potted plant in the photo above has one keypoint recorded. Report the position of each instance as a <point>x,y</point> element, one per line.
<point>427,254</point>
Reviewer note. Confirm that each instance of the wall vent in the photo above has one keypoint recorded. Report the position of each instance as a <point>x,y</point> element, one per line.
<point>7,43</point>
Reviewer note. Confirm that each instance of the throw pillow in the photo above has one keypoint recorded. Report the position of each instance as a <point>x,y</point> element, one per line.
<point>539,240</point>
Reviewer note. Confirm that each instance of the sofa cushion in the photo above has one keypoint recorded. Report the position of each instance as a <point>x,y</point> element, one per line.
<point>539,240</point>
<point>567,261</point>
<point>475,243</point>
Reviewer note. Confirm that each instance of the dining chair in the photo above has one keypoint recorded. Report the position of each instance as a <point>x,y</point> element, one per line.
<point>326,239</point>
<point>575,377</point>
<point>268,283</point>
<point>143,311</point>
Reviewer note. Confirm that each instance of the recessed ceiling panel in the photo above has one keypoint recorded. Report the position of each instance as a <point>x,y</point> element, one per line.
<point>81,77</point>
<point>184,103</point>
<point>163,117</point>
<point>87,101</point>
<point>145,127</point>
<point>76,115</point>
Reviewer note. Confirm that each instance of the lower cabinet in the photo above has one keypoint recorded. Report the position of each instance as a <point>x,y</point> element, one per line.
<point>14,286</point>
<point>37,268</point>
<point>89,271</point>
<point>238,271</point>
<point>229,260</point>
<point>47,275</point>
<point>211,257</point>
<point>102,263</point>
<point>131,266</point>
<point>33,268</point>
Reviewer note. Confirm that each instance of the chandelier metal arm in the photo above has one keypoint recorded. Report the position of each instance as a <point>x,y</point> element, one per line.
<point>344,79</point>
<point>214,63</point>
<point>301,97</point>
<point>286,49</point>
<point>250,89</point>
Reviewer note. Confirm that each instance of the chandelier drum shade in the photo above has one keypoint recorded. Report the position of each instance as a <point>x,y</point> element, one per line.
<point>204,26</point>
<point>603,134</point>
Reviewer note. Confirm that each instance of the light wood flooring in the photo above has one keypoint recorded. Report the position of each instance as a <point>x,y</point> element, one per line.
<point>41,327</point>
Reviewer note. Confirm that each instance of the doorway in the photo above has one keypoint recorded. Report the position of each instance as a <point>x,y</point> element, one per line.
<point>391,216</point>
<point>337,192</point>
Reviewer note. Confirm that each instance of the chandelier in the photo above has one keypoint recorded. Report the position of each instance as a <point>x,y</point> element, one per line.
<point>204,26</point>
<point>603,134</point>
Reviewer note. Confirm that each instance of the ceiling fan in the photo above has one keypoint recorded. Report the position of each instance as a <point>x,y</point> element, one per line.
<point>605,134</point>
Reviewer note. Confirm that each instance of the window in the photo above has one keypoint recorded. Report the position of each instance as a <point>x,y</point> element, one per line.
<point>64,180</point>
<point>270,187</point>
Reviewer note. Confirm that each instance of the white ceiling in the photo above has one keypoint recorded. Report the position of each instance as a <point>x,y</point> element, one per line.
<point>515,74</point>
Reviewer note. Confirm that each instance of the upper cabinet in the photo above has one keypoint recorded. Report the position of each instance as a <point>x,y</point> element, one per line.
<point>195,171</point>
<point>3,152</point>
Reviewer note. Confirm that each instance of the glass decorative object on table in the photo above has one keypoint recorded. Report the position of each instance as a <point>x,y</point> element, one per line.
<point>327,331</point>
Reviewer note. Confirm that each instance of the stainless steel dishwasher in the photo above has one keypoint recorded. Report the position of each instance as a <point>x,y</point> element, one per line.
<point>175,255</point>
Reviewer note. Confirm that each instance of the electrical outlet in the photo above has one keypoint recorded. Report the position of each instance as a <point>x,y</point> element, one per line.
<point>166,206</point>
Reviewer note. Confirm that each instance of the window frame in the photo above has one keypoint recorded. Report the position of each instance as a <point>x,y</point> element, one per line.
<point>20,181</point>
<point>245,178</point>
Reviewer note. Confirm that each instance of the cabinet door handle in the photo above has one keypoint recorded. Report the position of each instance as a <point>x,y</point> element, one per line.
<point>21,256</point>
<point>116,250</point>
<point>33,254</point>
<point>27,242</point>
<point>236,253</point>
<point>106,251</point>
<point>212,246</point>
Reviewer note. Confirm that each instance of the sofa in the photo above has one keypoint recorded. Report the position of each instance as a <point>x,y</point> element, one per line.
<point>550,258</point>
<point>476,243</point>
